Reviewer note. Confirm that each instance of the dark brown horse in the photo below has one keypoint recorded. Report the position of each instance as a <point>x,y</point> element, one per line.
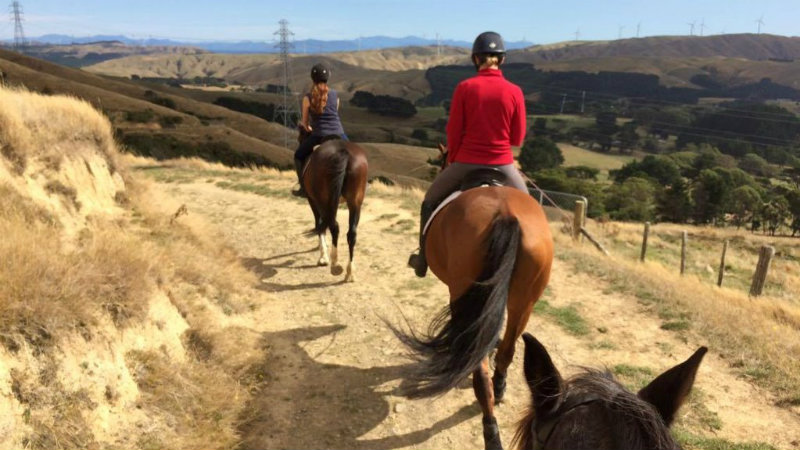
<point>593,411</point>
<point>493,249</point>
<point>336,172</point>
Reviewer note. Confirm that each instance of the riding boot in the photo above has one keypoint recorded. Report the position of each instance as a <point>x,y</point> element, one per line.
<point>298,167</point>
<point>419,261</point>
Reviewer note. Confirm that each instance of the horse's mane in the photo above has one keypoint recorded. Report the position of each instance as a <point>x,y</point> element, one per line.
<point>636,422</point>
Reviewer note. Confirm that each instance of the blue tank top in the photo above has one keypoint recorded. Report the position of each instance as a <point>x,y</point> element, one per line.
<point>327,123</point>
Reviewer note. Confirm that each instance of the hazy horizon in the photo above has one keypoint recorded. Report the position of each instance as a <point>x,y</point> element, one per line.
<point>516,20</point>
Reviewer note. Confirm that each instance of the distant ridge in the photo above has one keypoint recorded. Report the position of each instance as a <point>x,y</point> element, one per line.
<point>251,46</point>
<point>748,46</point>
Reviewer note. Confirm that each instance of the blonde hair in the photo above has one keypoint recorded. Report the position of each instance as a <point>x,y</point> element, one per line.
<point>319,97</point>
<point>486,60</point>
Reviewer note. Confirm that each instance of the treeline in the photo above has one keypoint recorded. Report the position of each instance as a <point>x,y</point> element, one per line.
<point>384,105</point>
<point>578,91</point>
<point>699,185</point>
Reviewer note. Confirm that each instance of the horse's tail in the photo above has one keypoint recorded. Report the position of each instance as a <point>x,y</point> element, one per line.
<point>454,348</point>
<point>338,170</point>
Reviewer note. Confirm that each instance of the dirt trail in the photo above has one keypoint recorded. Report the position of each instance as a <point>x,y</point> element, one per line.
<point>332,368</point>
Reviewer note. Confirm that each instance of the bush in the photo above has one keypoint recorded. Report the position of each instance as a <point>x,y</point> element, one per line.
<point>540,153</point>
<point>145,116</point>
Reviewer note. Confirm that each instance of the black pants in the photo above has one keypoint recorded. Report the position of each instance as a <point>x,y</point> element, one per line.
<point>306,147</point>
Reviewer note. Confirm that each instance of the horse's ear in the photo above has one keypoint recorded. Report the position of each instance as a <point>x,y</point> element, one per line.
<point>442,148</point>
<point>542,376</point>
<point>670,389</point>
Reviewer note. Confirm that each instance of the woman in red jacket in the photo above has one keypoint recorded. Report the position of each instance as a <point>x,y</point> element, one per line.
<point>487,117</point>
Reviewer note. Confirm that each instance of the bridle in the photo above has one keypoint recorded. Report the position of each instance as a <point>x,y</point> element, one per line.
<point>543,430</point>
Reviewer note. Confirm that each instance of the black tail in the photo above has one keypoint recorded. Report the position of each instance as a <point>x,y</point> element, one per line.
<point>327,212</point>
<point>454,348</point>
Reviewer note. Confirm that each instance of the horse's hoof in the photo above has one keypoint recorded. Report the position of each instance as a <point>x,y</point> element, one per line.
<point>349,278</point>
<point>322,262</point>
<point>336,270</point>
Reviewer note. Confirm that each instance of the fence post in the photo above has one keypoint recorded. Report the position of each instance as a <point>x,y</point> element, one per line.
<point>684,237</point>
<point>644,240</point>
<point>764,258</point>
<point>578,219</point>
<point>722,263</point>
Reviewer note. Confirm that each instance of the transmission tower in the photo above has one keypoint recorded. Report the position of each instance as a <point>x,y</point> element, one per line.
<point>19,34</point>
<point>287,111</point>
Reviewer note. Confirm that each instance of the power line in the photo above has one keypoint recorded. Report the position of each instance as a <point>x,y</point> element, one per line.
<point>19,33</point>
<point>287,111</point>
<point>763,115</point>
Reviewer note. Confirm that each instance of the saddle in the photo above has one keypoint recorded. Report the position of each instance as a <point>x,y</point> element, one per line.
<point>480,177</point>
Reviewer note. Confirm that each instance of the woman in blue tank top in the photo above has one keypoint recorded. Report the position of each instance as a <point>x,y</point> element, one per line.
<point>320,117</point>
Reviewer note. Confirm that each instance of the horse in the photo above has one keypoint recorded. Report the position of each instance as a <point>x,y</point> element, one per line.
<point>593,411</point>
<point>336,172</point>
<point>493,249</point>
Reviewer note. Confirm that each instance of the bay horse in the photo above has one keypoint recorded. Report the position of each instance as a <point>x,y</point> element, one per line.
<point>336,172</point>
<point>593,411</point>
<point>493,249</point>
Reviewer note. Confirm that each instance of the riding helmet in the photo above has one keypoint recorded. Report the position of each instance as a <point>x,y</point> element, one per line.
<point>488,42</point>
<point>320,73</point>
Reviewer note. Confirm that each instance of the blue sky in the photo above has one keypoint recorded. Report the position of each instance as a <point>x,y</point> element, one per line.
<point>535,21</point>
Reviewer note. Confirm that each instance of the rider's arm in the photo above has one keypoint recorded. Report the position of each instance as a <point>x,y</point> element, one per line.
<point>455,124</point>
<point>518,120</point>
<point>305,108</point>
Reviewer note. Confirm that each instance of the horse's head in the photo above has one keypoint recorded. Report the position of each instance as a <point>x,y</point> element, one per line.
<point>592,410</point>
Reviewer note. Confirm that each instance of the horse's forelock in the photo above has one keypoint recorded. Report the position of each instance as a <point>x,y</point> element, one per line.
<point>633,422</point>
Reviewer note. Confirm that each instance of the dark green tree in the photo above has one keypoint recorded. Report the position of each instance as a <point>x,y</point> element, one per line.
<point>539,153</point>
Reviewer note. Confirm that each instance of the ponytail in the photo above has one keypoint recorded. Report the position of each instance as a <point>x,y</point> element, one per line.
<point>319,97</point>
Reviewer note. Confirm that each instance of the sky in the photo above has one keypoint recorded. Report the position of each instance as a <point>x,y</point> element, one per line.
<point>536,21</point>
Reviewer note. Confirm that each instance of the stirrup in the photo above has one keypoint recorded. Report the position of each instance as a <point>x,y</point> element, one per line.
<point>299,193</point>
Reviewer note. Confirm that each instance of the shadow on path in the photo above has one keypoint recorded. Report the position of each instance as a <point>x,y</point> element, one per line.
<point>304,404</point>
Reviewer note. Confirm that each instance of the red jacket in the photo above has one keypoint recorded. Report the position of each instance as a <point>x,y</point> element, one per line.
<point>487,117</point>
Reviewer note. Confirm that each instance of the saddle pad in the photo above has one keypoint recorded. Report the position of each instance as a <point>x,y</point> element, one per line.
<point>444,203</point>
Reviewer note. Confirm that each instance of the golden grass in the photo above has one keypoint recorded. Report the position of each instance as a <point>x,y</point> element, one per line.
<point>759,337</point>
<point>62,296</point>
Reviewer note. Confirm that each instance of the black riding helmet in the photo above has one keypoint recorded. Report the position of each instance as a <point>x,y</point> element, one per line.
<point>320,73</point>
<point>488,42</point>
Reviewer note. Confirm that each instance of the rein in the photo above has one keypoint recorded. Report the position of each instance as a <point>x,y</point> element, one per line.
<point>542,431</point>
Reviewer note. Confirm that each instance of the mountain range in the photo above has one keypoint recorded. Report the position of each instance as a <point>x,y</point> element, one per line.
<point>245,46</point>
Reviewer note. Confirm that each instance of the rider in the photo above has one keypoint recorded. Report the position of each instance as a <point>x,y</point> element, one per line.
<point>487,117</point>
<point>321,105</point>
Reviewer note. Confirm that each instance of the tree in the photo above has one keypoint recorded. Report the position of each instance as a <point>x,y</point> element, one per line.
<point>710,195</point>
<point>628,138</point>
<point>674,203</point>
<point>756,165</point>
<point>632,200</point>
<point>775,213</point>
<point>539,153</point>
<point>661,169</point>
<point>745,201</point>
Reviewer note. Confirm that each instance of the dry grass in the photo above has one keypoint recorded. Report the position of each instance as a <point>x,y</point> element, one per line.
<point>758,337</point>
<point>70,304</point>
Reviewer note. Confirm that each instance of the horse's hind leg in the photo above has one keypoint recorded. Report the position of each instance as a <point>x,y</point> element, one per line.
<point>323,246</point>
<point>336,268</point>
<point>520,304</point>
<point>484,393</point>
<point>355,215</point>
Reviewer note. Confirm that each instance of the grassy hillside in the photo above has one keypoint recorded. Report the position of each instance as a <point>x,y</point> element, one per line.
<point>135,112</point>
<point>79,55</point>
<point>110,308</point>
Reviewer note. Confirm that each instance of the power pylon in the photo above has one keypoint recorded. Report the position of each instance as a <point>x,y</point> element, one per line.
<point>287,112</point>
<point>19,33</point>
